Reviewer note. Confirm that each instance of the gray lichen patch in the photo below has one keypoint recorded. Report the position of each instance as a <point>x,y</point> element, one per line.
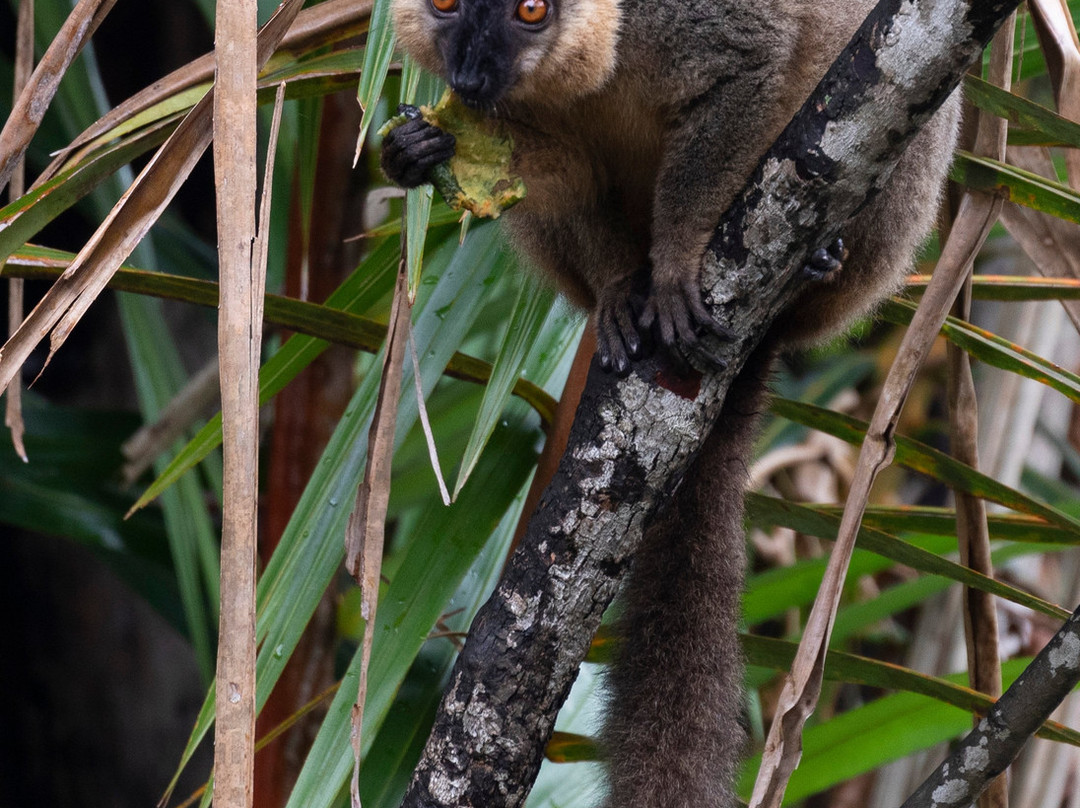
<point>524,611</point>
<point>482,723</point>
<point>952,792</point>
<point>673,418</point>
<point>1067,653</point>
<point>446,789</point>
<point>976,757</point>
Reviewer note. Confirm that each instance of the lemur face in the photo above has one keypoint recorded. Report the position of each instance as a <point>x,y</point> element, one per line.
<point>494,50</point>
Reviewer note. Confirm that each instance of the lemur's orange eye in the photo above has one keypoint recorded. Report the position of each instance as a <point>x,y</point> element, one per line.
<point>445,6</point>
<point>533,11</point>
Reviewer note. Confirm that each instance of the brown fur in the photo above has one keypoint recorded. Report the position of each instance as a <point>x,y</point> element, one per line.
<point>636,123</point>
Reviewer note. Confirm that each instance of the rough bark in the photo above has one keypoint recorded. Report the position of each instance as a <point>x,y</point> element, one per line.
<point>633,438</point>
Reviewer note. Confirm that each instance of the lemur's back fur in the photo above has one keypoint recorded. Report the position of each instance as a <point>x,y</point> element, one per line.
<point>635,125</point>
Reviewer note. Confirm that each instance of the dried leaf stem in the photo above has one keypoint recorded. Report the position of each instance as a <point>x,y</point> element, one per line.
<point>128,222</point>
<point>1058,39</point>
<point>973,533</point>
<point>365,531</point>
<point>239,341</point>
<point>34,100</point>
<point>328,22</point>
<point>24,66</point>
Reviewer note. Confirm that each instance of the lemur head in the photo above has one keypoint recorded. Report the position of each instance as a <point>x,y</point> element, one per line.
<point>494,50</point>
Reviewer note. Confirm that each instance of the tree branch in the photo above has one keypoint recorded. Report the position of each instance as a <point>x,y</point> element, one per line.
<point>634,438</point>
<point>1014,718</point>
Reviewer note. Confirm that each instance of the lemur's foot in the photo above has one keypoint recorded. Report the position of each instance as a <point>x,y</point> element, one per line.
<point>679,317</point>
<point>825,261</point>
<point>412,149</point>
<point>618,340</point>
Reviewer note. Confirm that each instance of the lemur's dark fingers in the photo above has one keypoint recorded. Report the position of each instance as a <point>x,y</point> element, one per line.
<point>432,150</point>
<point>702,316</point>
<point>714,359</point>
<point>612,355</point>
<point>648,314</point>
<point>825,261</point>
<point>412,149</point>
<point>838,250</point>
<point>679,317</point>
<point>684,326</point>
<point>820,265</point>
<point>628,331</point>
<point>666,325</point>
<point>617,338</point>
<point>660,315</point>
<point>419,137</point>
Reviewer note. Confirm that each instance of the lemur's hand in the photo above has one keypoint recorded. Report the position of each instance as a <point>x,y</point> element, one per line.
<point>412,149</point>
<point>618,340</point>
<point>824,263</point>
<point>678,316</point>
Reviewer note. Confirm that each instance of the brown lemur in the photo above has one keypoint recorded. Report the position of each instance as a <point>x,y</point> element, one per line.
<point>635,124</point>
